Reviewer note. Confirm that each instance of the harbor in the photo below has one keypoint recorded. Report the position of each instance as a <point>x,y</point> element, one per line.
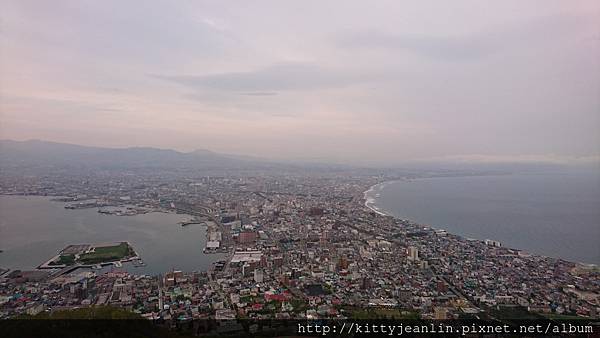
<point>92,256</point>
<point>156,236</point>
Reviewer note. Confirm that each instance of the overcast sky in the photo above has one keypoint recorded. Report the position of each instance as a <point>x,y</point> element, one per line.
<point>353,81</point>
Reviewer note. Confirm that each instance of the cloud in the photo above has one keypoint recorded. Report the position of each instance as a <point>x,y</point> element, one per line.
<point>279,77</point>
<point>516,159</point>
<point>449,48</point>
<point>466,47</point>
<point>58,107</point>
<point>380,83</point>
<point>259,94</point>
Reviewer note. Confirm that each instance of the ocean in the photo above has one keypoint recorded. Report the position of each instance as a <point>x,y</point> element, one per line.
<point>556,215</point>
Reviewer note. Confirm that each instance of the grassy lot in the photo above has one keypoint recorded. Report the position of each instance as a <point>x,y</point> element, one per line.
<point>96,312</point>
<point>246,299</point>
<point>107,254</point>
<point>64,259</point>
<point>298,304</point>
<point>513,312</point>
<point>381,313</point>
<point>561,316</point>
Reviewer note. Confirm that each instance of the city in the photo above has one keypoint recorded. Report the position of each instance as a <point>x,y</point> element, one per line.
<point>300,247</point>
<point>299,168</point>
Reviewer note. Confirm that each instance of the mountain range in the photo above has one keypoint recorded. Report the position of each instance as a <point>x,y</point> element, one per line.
<point>41,156</point>
<point>36,153</point>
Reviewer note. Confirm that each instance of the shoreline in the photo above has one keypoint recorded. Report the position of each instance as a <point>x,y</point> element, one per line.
<point>54,198</point>
<point>370,204</point>
<point>370,201</point>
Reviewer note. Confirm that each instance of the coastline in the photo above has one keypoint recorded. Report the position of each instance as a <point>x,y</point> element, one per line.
<point>370,201</point>
<point>370,204</point>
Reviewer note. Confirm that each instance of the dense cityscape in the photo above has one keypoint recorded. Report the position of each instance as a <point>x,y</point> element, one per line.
<point>301,246</point>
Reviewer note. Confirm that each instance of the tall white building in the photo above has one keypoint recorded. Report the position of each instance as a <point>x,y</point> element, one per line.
<point>413,253</point>
<point>259,275</point>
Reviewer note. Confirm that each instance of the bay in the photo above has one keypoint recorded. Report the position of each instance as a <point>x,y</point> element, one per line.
<point>34,228</point>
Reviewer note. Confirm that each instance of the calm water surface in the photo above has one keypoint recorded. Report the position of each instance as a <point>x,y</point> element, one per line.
<point>556,215</point>
<point>33,229</point>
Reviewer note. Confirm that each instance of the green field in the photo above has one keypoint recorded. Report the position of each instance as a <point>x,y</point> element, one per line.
<point>513,312</point>
<point>88,322</point>
<point>107,254</point>
<point>562,316</point>
<point>64,260</point>
<point>380,313</point>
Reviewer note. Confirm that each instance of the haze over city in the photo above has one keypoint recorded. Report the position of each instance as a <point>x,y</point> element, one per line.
<point>345,81</point>
<point>289,168</point>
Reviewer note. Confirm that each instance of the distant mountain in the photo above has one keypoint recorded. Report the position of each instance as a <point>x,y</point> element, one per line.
<point>36,153</point>
<point>42,157</point>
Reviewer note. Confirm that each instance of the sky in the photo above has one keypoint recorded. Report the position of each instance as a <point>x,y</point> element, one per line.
<point>377,82</point>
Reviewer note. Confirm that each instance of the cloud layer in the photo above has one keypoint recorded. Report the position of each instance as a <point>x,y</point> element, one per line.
<point>350,81</point>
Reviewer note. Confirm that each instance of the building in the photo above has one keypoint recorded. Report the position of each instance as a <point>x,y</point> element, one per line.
<point>413,253</point>
<point>491,242</point>
<point>259,275</point>
<point>440,313</point>
<point>247,237</point>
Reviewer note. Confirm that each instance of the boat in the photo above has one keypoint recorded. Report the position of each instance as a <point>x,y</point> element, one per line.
<point>138,263</point>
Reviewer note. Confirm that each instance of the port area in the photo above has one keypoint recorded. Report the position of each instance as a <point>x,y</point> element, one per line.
<point>193,220</point>
<point>93,256</point>
<point>116,207</point>
<point>217,238</point>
